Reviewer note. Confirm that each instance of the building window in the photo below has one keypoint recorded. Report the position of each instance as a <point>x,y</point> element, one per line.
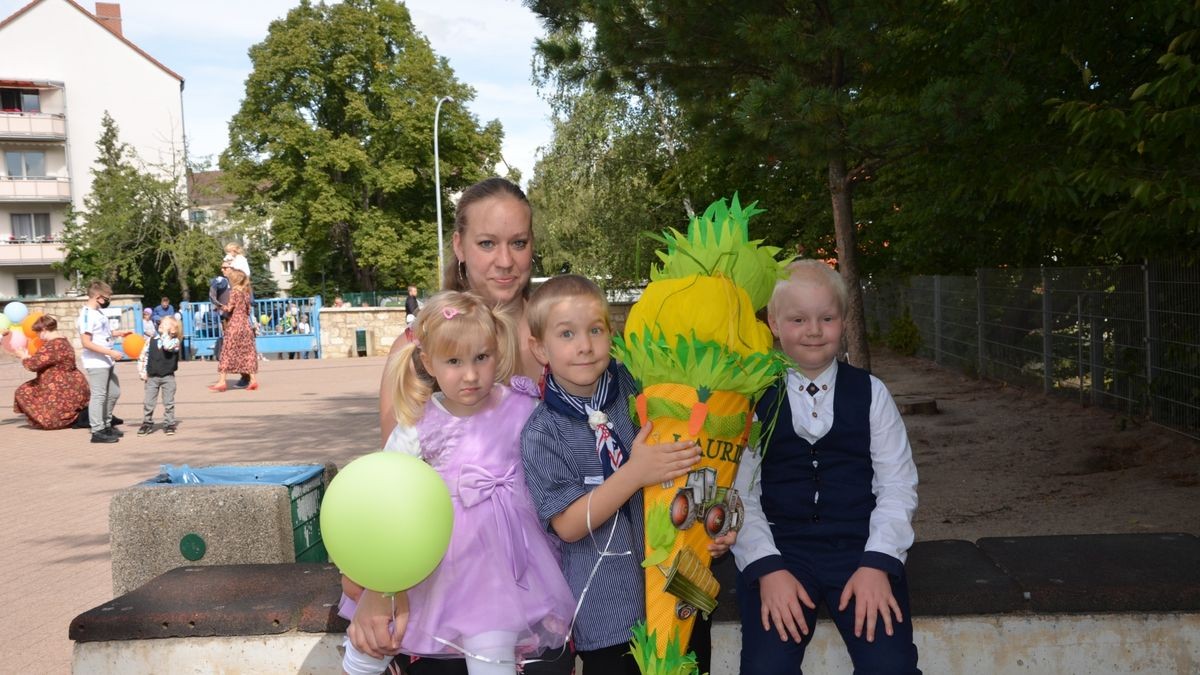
<point>20,100</point>
<point>25,164</point>
<point>31,226</point>
<point>35,288</point>
<point>289,266</point>
<point>198,216</point>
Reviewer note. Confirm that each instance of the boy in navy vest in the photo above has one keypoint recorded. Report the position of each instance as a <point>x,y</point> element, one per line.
<point>829,497</point>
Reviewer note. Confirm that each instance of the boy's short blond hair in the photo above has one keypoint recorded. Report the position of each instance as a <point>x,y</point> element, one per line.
<point>537,310</point>
<point>98,287</point>
<point>812,271</point>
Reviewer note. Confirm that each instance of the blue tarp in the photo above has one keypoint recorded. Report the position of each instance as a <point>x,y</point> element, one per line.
<point>237,475</point>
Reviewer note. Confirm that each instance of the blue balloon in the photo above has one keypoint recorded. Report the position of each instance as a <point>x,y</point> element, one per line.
<point>16,311</point>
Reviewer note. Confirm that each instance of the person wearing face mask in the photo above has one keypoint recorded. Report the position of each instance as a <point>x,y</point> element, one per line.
<point>96,336</point>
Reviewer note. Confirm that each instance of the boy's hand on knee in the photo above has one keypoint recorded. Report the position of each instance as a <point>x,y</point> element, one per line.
<point>661,462</point>
<point>369,631</point>
<point>781,595</point>
<point>873,599</point>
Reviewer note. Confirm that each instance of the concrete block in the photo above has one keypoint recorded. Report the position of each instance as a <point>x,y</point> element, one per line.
<point>237,524</point>
<point>1102,572</point>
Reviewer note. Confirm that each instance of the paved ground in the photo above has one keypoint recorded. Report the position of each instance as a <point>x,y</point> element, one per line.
<point>978,476</point>
<point>56,485</point>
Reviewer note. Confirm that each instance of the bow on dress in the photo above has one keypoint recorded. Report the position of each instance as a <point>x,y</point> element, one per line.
<point>476,485</point>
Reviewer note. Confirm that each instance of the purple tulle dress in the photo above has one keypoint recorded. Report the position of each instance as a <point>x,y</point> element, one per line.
<point>501,572</point>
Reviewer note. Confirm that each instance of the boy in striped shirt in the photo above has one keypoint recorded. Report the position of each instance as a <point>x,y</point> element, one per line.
<point>586,463</point>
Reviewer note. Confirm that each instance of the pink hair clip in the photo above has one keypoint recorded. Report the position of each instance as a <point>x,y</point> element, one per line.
<point>449,312</point>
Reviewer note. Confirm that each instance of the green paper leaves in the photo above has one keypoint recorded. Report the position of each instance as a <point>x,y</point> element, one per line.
<point>718,243</point>
<point>660,534</point>
<point>644,649</point>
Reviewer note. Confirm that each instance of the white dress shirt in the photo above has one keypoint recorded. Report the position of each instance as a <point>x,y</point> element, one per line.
<point>894,482</point>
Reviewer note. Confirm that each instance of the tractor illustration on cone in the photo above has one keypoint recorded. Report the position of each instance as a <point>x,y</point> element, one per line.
<point>720,507</point>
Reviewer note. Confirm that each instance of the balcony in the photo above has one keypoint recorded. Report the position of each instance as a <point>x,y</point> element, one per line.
<point>23,126</point>
<point>17,252</point>
<point>48,189</point>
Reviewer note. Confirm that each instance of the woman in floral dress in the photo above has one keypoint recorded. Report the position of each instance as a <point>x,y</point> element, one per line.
<point>54,398</point>
<point>238,351</point>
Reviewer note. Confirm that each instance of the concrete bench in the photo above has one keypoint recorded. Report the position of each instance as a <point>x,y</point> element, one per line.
<point>1054,604</point>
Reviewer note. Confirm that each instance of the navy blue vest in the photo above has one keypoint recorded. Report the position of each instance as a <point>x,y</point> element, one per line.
<point>160,363</point>
<point>820,489</point>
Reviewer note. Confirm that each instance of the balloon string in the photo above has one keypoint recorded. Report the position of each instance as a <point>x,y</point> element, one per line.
<point>602,554</point>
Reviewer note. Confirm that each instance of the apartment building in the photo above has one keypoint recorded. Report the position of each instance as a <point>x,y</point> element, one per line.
<point>61,68</point>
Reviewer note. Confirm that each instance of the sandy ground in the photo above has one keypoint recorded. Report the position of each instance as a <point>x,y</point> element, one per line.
<point>1000,461</point>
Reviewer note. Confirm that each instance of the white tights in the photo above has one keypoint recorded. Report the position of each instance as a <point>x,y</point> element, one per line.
<point>495,646</point>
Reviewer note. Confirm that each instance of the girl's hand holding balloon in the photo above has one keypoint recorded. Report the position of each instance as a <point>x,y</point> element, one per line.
<point>375,631</point>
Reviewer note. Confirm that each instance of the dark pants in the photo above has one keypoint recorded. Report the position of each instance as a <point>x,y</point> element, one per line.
<point>823,569</point>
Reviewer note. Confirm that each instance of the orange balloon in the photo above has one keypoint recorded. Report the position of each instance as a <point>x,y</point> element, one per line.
<point>27,324</point>
<point>33,345</point>
<point>132,345</point>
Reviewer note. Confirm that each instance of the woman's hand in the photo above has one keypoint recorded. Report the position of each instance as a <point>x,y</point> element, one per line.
<point>121,332</point>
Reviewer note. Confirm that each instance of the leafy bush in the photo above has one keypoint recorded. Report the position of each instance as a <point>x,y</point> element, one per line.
<point>903,337</point>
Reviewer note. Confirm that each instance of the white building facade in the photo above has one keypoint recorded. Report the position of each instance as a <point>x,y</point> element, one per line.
<point>52,101</point>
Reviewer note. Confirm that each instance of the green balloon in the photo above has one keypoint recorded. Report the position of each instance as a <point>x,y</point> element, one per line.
<point>4,322</point>
<point>386,520</point>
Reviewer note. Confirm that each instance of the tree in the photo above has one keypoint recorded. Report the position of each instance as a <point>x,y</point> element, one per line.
<point>799,91</point>
<point>1132,153</point>
<point>602,183</point>
<point>133,231</point>
<point>333,142</point>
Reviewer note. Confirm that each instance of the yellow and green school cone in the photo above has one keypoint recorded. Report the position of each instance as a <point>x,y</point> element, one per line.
<point>701,358</point>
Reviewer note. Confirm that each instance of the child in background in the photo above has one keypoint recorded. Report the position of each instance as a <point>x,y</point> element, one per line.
<point>498,594</point>
<point>829,497</point>
<point>160,357</point>
<point>148,328</point>
<point>233,254</point>
<point>95,334</point>
<point>587,463</point>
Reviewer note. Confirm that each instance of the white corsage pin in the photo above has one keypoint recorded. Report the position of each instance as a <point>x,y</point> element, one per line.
<point>597,419</point>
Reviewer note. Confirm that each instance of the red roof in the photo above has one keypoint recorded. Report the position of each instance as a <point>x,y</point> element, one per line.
<point>91,16</point>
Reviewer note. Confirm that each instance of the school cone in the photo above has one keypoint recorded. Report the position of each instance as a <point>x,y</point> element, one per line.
<point>701,358</point>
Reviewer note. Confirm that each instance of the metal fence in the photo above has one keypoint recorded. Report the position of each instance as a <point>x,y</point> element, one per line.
<point>1126,338</point>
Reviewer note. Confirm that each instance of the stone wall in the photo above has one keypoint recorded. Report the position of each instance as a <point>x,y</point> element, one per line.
<point>385,324</point>
<point>338,326</point>
<point>66,311</point>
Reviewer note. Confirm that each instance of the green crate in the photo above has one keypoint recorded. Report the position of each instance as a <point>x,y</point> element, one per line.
<point>306,525</point>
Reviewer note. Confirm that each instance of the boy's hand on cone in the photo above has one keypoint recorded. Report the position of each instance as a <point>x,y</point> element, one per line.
<point>657,463</point>
<point>721,545</point>
<point>369,631</point>
<point>873,597</point>
<point>781,595</point>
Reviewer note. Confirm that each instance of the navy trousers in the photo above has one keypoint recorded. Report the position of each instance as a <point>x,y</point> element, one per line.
<point>823,568</point>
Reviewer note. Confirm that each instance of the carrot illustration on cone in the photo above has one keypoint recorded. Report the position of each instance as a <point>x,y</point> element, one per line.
<point>702,358</point>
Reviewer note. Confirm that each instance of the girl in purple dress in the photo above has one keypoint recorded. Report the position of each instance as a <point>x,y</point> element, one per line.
<point>498,597</point>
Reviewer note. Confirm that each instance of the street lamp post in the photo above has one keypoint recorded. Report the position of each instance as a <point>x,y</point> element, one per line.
<point>437,181</point>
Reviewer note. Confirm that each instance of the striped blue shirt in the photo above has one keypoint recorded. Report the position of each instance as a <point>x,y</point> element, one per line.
<point>561,467</point>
